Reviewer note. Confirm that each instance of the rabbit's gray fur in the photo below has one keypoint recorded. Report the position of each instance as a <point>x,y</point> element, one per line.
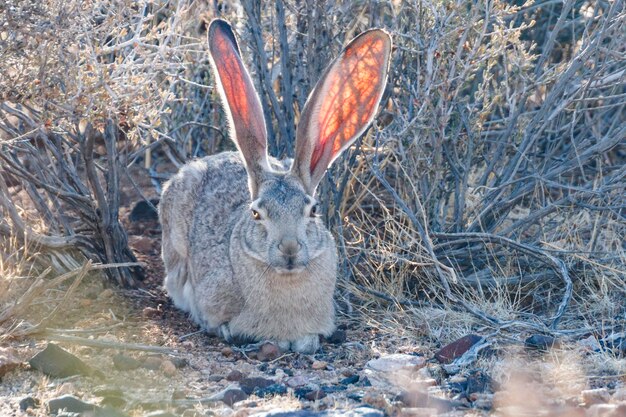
<point>211,248</point>
<point>244,252</point>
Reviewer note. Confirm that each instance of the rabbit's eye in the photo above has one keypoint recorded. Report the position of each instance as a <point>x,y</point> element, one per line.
<point>256,215</point>
<point>315,210</point>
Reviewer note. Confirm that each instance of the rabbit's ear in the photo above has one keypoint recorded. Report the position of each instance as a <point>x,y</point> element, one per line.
<point>240,100</point>
<point>342,105</point>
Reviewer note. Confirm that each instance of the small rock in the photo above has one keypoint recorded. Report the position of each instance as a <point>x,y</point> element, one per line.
<point>249,385</point>
<point>268,352</point>
<point>168,368</point>
<point>271,390</point>
<point>595,396</point>
<point>395,362</point>
<point>338,337</point>
<point>541,342</point>
<point>216,378</point>
<point>227,351</point>
<point>234,375</point>
<point>151,313</point>
<point>58,363</point>
<point>350,380</point>
<point>319,365</point>
<point>125,363</point>
<point>144,211</point>
<point>152,362</point>
<point>179,362</point>
<point>233,395</point>
<point>8,361</point>
<point>28,402</point>
<point>104,294</point>
<point>456,349</point>
<point>297,381</point>
<point>69,403</point>
<point>86,302</point>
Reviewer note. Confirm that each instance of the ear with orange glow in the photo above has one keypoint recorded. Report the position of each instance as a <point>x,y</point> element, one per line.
<point>342,105</point>
<point>240,100</point>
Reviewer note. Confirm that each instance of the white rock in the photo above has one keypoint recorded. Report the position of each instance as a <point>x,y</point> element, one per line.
<point>396,362</point>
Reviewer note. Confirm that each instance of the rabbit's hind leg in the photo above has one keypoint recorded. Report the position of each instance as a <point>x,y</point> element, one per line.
<point>176,281</point>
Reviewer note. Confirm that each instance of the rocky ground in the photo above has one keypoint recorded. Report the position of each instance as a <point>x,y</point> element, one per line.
<point>116,352</point>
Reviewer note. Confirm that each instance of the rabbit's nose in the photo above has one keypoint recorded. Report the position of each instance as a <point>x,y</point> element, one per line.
<point>289,247</point>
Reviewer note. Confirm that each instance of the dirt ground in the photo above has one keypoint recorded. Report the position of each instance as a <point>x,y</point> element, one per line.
<point>200,375</point>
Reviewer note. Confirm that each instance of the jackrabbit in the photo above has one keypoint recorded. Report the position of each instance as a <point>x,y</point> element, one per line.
<point>244,249</point>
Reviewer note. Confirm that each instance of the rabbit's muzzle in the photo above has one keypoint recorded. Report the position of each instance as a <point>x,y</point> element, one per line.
<point>290,257</point>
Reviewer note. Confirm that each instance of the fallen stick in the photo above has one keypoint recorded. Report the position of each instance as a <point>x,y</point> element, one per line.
<point>104,344</point>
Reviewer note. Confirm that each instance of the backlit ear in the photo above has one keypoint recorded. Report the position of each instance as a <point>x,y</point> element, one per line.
<point>342,105</point>
<point>240,100</point>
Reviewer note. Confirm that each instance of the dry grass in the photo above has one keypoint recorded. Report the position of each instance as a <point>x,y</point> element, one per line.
<point>489,196</point>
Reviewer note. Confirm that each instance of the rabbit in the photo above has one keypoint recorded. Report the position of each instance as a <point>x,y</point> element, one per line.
<point>246,253</point>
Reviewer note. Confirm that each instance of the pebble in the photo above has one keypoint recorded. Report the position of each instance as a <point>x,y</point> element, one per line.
<point>168,368</point>
<point>541,342</point>
<point>28,402</point>
<point>456,349</point>
<point>249,385</point>
<point>58,363</point>
<point>227,351</point>
<point>350,380</point>
<point>69,403</point>
<point>319,365</point>
<point>233,395</point>
<point>396,362</point>
<point>234,375</point>
<point>297,381</point>
<point>595,396</point>
<point>179,362</point>
<point>268,352</point>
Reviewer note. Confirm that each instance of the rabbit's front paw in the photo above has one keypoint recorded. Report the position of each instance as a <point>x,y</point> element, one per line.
<point>306,344</point>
